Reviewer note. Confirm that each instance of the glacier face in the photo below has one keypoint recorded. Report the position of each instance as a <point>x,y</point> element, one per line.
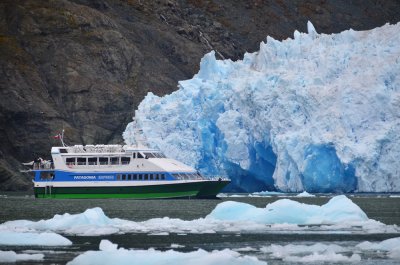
<point>318,112</point>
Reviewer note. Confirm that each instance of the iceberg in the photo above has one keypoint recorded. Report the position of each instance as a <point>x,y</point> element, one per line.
<point>338,210</point>
<point>338,215</point>
<point>110,254</point>
<point>317,112</point>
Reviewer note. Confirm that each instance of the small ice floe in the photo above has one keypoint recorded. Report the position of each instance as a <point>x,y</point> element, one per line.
<point>109,253</point>
<point>11,256</point>
<point>245,249</point>
<point>176,246</point>
<point>390,246</point>
<point>310,253</point>
<point>324,257</point>
<point>32,239</point>
<point>159,234</point>
<point>266,194</point>
<point>305,194</point>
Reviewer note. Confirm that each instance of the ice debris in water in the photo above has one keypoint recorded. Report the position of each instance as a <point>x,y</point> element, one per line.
<point>318,113</point>
<point>391,246</point>
<point>11,238</point>
<point>112,255</point>
<point>12,256</point>
<point>339,214</point>
<point>318,253</point>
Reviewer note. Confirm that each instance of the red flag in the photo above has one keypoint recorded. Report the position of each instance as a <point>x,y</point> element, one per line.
<point>58,136</point>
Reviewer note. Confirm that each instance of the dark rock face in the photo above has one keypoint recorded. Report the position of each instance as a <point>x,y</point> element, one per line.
<point>85,65</point>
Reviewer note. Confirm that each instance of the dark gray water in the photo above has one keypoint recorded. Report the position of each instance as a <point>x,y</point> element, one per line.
<point>15,206</point>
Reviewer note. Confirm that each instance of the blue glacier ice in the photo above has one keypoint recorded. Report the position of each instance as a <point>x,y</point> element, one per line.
<point>316,113</point>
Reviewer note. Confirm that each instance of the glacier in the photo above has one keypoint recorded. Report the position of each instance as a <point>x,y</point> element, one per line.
<point>316,113</point>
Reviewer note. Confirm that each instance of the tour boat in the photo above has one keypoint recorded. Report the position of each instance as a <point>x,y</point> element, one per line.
<point>116,171</point>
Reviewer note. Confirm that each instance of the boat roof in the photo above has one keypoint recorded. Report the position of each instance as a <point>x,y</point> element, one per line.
<point>100,148</point>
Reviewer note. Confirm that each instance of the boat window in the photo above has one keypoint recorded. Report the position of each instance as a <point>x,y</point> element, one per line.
<point>114,160</point>
<point>134,155</point>
<point>103,160</point>
<point>151,176</point>
<point>123,176</point>
<point>162,176</point>
<point>129,176</point>
<point>92,160</point>
<point>125,160</point>
<point>139,155</point>
<point>118,176</point>
<point>134,177</point>
<point>157,176</point>
<point>140,176</point>
<point>150,155</point>
<point>146,176</point>
<point>81,161</point>
<point>63,151</point>
<point>70,161</point>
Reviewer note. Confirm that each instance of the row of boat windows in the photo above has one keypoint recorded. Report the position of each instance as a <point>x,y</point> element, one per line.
<point>187,176</point>
<point>123,160</point>
<point>140,176</point>
<point>81,161</point>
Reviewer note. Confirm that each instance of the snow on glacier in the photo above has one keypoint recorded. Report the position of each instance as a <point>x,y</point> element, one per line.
<point>109,253</point>
<point>338,215</point>
<point>318,112</point>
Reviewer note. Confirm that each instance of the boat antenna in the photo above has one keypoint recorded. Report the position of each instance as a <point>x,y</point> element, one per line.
<point>62,137</point>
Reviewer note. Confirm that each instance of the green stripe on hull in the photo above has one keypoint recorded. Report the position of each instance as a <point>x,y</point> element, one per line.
<point>178,190</point>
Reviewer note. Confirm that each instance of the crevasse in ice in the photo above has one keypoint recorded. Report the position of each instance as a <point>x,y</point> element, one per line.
<point>318,112</point>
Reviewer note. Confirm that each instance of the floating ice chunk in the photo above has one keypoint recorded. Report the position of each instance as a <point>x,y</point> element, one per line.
<point>386,245</point>
<point>122,256</point>
<point>177,246</point>
<point>280,251</point>
<point>32,239</point>
<point>319,253</point>
<point>106,245</point>
<point>92,222</point>
<point>11,256</point>
<point>305,194</point>
<point>338,209</point>
<point>266,193</point>
<point>391,246</point>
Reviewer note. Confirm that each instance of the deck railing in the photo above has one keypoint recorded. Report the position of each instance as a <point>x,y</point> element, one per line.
<point>45,165</point>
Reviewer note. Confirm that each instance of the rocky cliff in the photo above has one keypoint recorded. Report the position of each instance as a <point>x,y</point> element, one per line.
<point>85,65</point>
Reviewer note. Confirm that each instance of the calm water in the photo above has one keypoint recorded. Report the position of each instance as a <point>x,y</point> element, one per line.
<point>15,206</point>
